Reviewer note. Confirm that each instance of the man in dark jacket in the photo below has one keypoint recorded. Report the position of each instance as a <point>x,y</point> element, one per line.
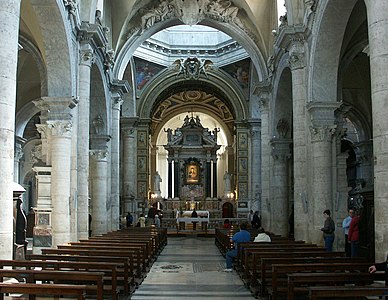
<point>383,266</point>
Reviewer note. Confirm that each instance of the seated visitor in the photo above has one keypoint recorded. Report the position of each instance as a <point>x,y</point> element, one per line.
<point>242,236</point>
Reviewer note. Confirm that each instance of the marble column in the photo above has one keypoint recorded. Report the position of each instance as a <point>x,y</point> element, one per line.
<point>86,60</point>
<point>9,24</point>
<point>299,100</point>
<point>59,134</point>
<point>115,163</point>
<point>265,160</point>
<point>255,133</point>
<point>99,183</point>
<point>378,37</point>
<point>280,154</point>
<point>322,131</point>
<point>129,182</point>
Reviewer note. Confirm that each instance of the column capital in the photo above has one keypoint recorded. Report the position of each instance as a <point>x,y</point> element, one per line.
<point>297,59</point>
<point>56,108</point>
<point>60,128</point>
<point>99,155</point>
<point>322,113</point>
<point>99,141</point>
<point>322,133</point>
<point>281,148</point>
<point>87,57</point>
<point>118,88</point>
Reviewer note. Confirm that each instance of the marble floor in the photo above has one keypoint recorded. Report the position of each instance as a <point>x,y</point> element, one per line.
<point>191,268</point>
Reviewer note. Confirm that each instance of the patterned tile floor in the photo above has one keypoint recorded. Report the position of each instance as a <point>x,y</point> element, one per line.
<point>191,268</point>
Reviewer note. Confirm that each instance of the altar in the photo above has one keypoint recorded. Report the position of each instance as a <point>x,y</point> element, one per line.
<point>185,221</point>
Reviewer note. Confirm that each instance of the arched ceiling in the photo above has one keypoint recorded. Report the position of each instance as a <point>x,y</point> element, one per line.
<point>260,16</point>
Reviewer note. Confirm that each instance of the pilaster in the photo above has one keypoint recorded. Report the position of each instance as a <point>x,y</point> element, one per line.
<point>129,180</point>
<point>255,167</point>
<point>281,155</point>
<point>99,183</point>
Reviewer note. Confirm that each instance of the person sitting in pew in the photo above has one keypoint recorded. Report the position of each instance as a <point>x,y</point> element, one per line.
<point>242,236</point>
<point>383,266</point>
<point>262,236</point>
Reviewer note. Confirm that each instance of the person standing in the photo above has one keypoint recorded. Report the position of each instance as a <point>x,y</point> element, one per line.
<point>354,234</point>
<point>129,219</point>
<point>142,220</point>
<point>194,215</point>
<point>328,231</point>
<point>256,221</point>
<point>242,236</point>
<point>345,226</point>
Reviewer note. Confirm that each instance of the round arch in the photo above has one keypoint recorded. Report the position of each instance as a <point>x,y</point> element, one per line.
<point>132,43</point>
<point>216,83</point>
<point>328,35</point>
<point>56,53</point>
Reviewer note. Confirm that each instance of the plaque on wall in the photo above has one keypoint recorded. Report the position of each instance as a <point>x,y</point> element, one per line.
<point>242,204</point>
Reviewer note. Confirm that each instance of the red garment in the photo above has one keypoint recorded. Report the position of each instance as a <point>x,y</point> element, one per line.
<point>353,234</point>
<point>227,226</point>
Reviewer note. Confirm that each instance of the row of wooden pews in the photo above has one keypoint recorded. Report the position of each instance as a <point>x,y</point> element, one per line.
<point>288,269</point>
<point>102,267</point>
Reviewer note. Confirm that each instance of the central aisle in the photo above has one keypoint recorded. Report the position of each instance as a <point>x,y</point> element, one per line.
<point>191,268</point>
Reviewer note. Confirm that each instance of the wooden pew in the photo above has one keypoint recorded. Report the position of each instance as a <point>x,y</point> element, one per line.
<point>334,292</point>
<point>110,270</point>
<point>280,285</point>
<point>93,281</point>
<point>123,274</point>
<point>298,282</point>
<point>264,275</point>
<point>138,253</point>
<point>251,268</point>
<point>43,289</point>
<point>98,253</point>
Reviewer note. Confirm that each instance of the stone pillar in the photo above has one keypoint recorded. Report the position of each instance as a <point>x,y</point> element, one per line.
<point>42,232</point>
<point>9,23</point>
<point>280,154</point>
<point>255,166</point>
<point>129,183</point>
<point>169,188</point>
<point>378,35</point>
<point>322,130</point>
<point>115,163</point>
<point>215,192</point>
<point>86,60</point>
<point>299,98</point>
<point>265,158</point>
<point>208,182</point>
<point>59,132</point>
<point>177,179</point>
<point>99,183</point>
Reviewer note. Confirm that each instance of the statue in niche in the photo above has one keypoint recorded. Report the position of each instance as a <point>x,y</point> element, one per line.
<point>227,185</point>
<point>157,181</point>
<point>98,124</point>
<point>282,128</point>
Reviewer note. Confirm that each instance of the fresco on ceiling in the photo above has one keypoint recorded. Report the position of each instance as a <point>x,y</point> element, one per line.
<point>240,72</point>
<point>145,70</point>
